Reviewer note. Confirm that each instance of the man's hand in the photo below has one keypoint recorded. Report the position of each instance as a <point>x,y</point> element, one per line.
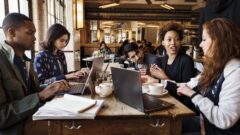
<point>52,89</point>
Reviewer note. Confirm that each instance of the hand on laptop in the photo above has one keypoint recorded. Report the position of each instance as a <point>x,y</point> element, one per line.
<point>85,71</point>
<point>77,74</point>
<point>52,89</point>
<point>146,79</point>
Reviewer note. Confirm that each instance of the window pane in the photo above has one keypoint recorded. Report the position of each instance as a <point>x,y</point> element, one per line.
<point>24,7</point>
<point>2,13</point>
<point>70,60</point>
<point>2,36</point>
<point>49,20</point>
<point>61,13</point>
<point>13,6</point>
<point>52,7</point>
<point>52,20</point>
<point>57,9</point>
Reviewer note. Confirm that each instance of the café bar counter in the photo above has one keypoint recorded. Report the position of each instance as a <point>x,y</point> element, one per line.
<point>117,118</point>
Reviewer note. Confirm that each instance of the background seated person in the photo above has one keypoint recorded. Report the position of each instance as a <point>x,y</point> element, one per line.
<point>136,58</point>
<point>104,49</point>
<point>131,55</point>
<point>121,49</point>
<point>50,63</point>
<point>148,48</point>
<point>160,51</point>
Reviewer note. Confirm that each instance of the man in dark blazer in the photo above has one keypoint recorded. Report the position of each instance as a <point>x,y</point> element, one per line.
<point>20,95</point>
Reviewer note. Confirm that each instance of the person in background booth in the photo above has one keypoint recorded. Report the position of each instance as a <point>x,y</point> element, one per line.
<point>121,49</point>
<point>219,83</point>
<point>148,48</point>
<point>132,55</point>
<point>20,94</point>
<point>136,58</point>
<point>104,49</point>
<point>50,63</point>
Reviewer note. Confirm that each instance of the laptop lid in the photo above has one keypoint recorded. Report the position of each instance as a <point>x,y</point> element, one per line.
<point>127,87</point>
<point>80,88</point>
<point>96,66</point>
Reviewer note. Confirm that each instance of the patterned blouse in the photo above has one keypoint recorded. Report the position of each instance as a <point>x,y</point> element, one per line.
<point>50,67</point>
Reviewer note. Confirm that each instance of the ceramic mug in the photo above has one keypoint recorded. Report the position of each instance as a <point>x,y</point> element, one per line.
<point>156,89</point>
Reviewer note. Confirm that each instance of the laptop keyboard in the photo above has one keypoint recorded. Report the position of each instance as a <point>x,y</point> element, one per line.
<point>76,88</point>
<point>154,104</point>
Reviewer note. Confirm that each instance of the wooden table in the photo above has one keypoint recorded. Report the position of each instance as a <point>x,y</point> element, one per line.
<point>117,118</point>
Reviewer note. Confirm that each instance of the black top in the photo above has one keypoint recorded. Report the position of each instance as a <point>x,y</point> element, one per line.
<point>181,70</point>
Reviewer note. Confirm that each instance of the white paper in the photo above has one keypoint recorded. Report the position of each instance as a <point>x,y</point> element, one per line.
<point>49,112</point>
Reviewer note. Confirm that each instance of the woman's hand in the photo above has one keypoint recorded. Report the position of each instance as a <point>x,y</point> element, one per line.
<point>146,79</point>
<point>158,72</point>
<point>185,90</point>
<point>77,74</point>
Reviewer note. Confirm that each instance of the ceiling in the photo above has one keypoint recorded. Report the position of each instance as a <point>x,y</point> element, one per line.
<point>142,10</point>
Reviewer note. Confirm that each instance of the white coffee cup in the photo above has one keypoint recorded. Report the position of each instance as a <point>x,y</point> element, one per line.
<point>130,68</point>
<point>155,88</point>
<point>104,89</point>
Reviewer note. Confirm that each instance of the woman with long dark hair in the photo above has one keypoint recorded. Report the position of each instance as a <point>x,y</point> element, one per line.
<point>219,83</point>
<point>50,63</point>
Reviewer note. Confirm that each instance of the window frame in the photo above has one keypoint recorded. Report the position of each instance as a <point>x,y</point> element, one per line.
<point>6,6</point>
<point>58,15</point>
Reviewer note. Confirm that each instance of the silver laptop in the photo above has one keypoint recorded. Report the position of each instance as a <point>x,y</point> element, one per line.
<point>78,87</point>
<point>128,89</point>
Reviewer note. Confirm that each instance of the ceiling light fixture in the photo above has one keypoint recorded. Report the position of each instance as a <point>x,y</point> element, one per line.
<point>109,5</point>
<point>166,6</point>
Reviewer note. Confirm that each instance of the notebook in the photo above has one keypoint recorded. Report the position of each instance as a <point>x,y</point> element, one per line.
<point>69,107</point>
<point>71,103</point>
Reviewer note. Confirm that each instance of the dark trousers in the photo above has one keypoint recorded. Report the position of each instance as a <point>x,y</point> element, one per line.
<point>191,126</point>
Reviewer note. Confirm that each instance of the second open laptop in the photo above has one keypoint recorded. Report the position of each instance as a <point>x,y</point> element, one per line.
<point>128,89</point>
<point>79,87</point>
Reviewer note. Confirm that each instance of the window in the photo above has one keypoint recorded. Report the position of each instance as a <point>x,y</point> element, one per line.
<point>18,6</point>
<point>13,6</point>
<point>55,12</point>
<point>24,9</point>
<point>93,28</point>
<point>2,15</point>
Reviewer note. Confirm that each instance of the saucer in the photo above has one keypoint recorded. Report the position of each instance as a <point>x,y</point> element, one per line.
<point>145,89</point>
<point>165,92</point>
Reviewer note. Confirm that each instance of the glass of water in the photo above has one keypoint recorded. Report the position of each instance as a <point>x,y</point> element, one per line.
<point>142,68</point>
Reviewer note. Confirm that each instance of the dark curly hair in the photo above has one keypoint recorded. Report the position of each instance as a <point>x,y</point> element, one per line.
<point>171,27</point>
